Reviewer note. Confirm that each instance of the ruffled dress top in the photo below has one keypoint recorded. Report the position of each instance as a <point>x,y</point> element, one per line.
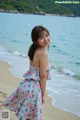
<point>34,73</point>
<point>26,100</point>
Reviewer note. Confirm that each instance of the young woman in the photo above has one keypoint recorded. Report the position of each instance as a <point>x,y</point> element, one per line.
<point>26,101</point>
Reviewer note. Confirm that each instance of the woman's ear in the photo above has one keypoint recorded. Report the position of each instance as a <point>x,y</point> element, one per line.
<point>36,42</point>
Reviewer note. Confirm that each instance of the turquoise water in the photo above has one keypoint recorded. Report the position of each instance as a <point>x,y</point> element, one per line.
<point>64,52</point>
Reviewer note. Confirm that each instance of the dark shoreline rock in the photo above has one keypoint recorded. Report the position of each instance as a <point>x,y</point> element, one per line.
<point>37,13</point>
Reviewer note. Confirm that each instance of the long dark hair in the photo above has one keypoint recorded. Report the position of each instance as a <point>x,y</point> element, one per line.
<point>35,34</point>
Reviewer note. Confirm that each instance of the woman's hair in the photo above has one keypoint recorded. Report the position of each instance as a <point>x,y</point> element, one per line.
<point>35,34</point>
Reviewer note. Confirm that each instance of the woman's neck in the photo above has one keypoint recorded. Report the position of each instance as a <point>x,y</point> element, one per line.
<point>42,48</point>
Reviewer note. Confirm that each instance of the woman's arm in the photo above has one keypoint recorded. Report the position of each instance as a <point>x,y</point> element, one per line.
<point>43,65</point>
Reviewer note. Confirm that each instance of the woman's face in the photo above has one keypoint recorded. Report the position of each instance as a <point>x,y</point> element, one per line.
<point>43,40</point>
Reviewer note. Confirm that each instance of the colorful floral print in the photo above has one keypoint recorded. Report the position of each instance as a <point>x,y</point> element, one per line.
<point>26,100</point>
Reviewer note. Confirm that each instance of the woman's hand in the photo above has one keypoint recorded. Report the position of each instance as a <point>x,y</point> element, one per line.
<point>43,99</point>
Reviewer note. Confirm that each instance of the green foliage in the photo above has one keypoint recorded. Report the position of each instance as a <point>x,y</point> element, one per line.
<point>41,6</point>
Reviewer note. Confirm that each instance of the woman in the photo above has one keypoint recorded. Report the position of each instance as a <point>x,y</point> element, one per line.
<point>26,101</point>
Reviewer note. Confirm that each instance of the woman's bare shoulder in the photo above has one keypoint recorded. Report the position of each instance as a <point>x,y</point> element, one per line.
<point>43,54</point>
<point>43,57</point>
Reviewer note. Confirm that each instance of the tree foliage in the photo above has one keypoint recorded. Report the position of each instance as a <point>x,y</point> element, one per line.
<point>40,6</point>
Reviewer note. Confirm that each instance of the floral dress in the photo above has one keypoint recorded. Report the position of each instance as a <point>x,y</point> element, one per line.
<point>26,100</point>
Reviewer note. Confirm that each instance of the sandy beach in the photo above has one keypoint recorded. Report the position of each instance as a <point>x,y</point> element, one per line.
<point>8,84</point>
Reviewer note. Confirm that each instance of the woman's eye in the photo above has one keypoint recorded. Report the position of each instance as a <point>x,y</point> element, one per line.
<point>46,35</point>
<point>40,38</point>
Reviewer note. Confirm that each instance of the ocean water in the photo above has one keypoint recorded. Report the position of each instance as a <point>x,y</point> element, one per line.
<point>64,86</point>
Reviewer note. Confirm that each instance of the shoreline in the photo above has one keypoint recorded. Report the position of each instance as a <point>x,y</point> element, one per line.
<point>8,83</point>
<point>36,13</point>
